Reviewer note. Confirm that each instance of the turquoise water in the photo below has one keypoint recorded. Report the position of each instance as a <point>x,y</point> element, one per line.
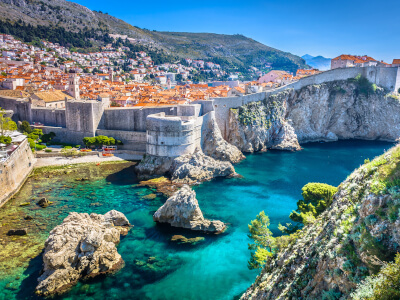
<point>215,268</point>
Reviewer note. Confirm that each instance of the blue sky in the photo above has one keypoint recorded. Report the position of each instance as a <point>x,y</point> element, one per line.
<point>327,28</point>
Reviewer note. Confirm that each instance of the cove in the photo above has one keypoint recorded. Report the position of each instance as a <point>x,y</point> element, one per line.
<point>155,266</point>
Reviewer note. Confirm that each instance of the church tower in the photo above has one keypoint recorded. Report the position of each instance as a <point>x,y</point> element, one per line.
<point>111,75</point>
<point>73,88</point>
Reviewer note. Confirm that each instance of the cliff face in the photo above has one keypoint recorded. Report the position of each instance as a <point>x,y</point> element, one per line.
<point>349,241</point>
<point>261,125</point>
<point>325,112</point>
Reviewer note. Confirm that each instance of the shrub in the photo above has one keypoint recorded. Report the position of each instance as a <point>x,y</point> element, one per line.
<point>384,285</point>
<point>363,85</point>
<point>5,139</point>
<point>25,127</point>
<point>67,147</point>
<point>48,137</point>
<point>101,140</point>
<point>48,150</point>
<point>40,147</point>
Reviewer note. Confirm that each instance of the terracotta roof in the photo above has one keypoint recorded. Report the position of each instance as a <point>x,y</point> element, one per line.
<point>396,62</point>
<point>52,96</point>
<point>14,94</point>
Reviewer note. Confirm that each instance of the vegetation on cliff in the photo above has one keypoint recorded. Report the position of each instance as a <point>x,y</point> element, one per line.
<point>316,198</point>
<point>346,245</point>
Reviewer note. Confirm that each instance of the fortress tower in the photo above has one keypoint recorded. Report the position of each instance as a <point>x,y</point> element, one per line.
<point>73,89</point>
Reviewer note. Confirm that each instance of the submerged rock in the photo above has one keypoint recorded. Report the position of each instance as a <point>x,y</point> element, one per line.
<point>82,246</point>
<point>22,231</point>
<point>180,239</point>
<point>44,202</point>
<point>182,210</point>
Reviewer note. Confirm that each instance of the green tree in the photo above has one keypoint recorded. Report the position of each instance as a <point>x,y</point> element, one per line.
<point>89,141</point>
<point>264,242</point>
<point>48,137</point>
<point>316,198</point>
<point>6,123</point>
<point>25,127</point>
<point>5,140</point>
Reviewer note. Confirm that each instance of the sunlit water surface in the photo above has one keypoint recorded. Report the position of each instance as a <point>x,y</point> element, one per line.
<point>213,269</point>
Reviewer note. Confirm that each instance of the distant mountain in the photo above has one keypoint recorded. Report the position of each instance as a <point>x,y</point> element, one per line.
<point>318,62</point>
<point>234,51</point>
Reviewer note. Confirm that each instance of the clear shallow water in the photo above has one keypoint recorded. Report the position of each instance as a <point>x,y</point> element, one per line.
<point>213,269</point>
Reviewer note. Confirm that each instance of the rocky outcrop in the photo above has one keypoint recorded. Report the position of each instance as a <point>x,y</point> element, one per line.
<point>351,109</point>
<point>182,210</point>
<point>346,243</point>
<point>152,166</point>
<point>82,246</point>
<point>258,126</point>
<point>43,202</point>
<point>214,145</point>
<point>188,169</point>
<point>343,110</point>
<point>198,167</point>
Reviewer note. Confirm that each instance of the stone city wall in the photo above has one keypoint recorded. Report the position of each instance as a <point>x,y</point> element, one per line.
<point>20,107</point>
<point>132,118</point>
<point>388,78</point>
<point>132,140</point>
<point>15,170</point>
<point>49,116</point>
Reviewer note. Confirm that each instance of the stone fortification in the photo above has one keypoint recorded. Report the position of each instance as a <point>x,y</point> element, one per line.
<point>15,170</point>
<point>171,131</point>
<point>188,147</point>
<point>388,78</point>
<point>172,136</point>
<point>325,112</point>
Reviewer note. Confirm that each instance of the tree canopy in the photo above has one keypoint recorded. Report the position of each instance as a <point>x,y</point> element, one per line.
<point>6,123</point>
<point>316,198</point>
<point>263,241</point>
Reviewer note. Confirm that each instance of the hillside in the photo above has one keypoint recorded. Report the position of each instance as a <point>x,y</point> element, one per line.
<point>232,51</point>
<point>318,62</point>
<point>346,244</point>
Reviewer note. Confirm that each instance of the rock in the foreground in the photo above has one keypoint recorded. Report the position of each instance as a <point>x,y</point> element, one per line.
<point>82,246</point>
<point>182,210</point>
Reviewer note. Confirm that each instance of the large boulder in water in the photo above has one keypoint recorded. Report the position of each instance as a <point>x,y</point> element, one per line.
<point>182,210</point>
<point>82,246</point>
<point>197,167</point>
